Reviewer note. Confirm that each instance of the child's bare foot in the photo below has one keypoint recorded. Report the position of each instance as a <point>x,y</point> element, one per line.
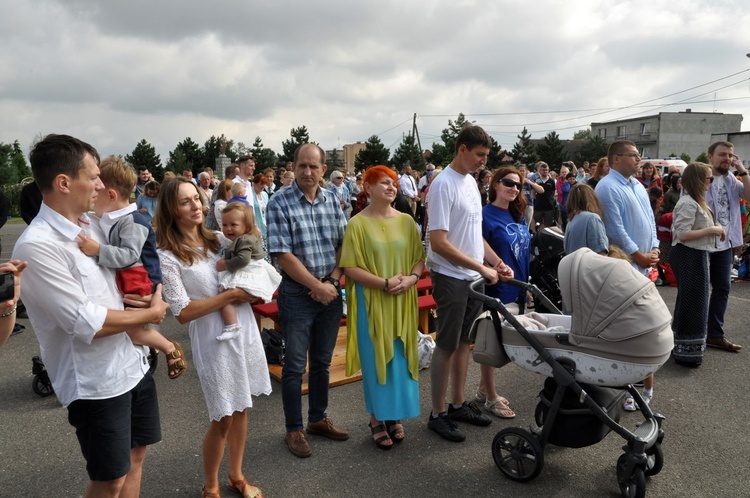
<point>176,364</point>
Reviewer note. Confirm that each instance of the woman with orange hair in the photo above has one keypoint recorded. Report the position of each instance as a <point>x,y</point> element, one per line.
<point>600,171</point>
<point>383,258</point>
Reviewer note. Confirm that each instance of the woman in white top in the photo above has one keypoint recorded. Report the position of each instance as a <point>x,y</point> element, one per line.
<point>232,371</point>
<point>694,232</point>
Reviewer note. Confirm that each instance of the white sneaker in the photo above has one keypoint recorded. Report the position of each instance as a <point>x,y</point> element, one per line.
<point>629,404</point>
<point>646,398</point>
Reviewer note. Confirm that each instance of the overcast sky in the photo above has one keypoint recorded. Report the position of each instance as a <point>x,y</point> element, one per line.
<point>114,72</point>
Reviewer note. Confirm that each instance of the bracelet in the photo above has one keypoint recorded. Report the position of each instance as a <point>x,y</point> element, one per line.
<point>9,312</point>
<point>415,275</point>
<point>386,285</point>
<point>744,173</point>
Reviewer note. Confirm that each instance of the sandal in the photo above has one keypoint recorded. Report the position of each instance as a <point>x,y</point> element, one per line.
<point>481,397</point>
<point>244,488</point>
<point>380,442</point>
<point>176,365</point>
<point>499,408</point>
<point>395,430</point>
<point>209,494</point>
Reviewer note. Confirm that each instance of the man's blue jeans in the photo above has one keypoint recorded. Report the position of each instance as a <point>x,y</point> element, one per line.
<point>720,272</point>
<point>306,325</point>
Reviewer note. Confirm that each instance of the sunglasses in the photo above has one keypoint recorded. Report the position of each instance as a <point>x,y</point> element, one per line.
<point>510,183</point>
<point>710,179</point>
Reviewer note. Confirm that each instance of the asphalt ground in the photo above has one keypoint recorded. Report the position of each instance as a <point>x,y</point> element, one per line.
<point>705,447</point>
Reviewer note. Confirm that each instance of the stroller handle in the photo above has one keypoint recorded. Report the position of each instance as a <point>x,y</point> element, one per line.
<point>497,305</point>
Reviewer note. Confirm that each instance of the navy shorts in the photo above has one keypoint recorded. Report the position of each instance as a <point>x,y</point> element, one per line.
<point>108,428</point>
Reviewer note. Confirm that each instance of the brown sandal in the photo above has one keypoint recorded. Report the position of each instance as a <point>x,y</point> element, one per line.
<point>382,440</point>
<point>241,487</point>
<point>395,430</point>
<point>209,494</point>
<point>176,365</point>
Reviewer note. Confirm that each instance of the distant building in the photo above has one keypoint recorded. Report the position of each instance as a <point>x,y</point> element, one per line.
<point>344,159</point>
<point>667,133</point>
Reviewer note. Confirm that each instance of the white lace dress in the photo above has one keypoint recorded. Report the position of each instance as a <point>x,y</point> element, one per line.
<point>230,372</point>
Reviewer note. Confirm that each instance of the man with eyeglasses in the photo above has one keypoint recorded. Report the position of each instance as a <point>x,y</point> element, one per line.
<point>723,197</point>
<point>627,211</point>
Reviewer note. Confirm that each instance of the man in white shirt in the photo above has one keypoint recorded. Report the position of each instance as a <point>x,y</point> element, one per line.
<point>244,176</point>
<point>97,373</point>
<point>456,257</point>
<point>409,188</point>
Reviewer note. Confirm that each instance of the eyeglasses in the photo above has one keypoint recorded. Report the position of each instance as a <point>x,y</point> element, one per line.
<point>710,179</point>
<point>635,156</point>
<point>510,183</point>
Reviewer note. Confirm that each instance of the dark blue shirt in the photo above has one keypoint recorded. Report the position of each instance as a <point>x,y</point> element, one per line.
<point>510,240</point>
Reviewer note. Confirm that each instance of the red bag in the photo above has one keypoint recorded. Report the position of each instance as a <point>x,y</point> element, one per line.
<point>666,269</point>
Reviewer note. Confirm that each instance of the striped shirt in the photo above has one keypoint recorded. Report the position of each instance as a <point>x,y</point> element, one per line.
<point>310,231</point>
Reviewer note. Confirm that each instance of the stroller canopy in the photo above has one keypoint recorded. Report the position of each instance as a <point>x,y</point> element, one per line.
<point>616,310</point>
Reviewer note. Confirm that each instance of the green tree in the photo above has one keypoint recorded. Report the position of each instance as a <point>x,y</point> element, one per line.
<point>495,159</point>
<point>212,149</point>
<point>334,161</point>
<point>523,150</point>
<point>186,155</point>
<point>685,157</point>
<point>592,150</point>
<point>702,158</point>
<point>582,134</point>
<point>551,149</point>
<point>442,154</point>
<point>373,153</point>
<point>299,136</point>
<point>264,157</point>
<point>144,154</point>
<point>13,167</point>
<point>407,151</point>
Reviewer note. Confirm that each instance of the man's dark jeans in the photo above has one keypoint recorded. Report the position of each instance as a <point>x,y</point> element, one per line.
<point>720,272</point>
<point>306,324</point>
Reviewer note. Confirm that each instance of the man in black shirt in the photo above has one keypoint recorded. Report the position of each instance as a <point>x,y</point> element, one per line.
<point>544,205</point>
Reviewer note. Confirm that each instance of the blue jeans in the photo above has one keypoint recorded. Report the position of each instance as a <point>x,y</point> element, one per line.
<point>720,274</point>
<point>307,325</point>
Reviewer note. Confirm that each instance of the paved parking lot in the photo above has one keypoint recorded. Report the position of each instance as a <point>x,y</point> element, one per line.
<point>706,444</point>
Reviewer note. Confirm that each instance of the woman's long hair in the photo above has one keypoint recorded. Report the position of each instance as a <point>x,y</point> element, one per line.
<point>517,208</point>
<point>582,198</point>
<point>168,235</point>
<point>599,168</point>
<point>694,183</point>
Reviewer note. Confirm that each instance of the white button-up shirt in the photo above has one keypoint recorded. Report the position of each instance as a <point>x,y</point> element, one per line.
<point>67,296</point>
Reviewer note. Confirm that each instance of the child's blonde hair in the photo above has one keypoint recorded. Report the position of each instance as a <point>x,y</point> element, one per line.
<point>247,212</point>
<point>119,175</point>
<point>238,187</point>
<point>617,253</point>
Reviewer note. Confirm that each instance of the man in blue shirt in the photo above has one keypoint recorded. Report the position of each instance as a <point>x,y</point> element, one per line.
<point>305,233</point>
<point>628,217</point>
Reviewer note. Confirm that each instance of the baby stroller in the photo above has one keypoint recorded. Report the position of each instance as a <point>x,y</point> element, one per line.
<point>591,360</point>
<point>548,249</point>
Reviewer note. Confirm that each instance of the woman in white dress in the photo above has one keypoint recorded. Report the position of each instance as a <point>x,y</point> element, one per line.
<point>230,372</point>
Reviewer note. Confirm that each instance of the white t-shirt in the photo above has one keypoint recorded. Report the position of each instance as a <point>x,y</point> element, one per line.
<point>721,205</point>
<point>454,205</point>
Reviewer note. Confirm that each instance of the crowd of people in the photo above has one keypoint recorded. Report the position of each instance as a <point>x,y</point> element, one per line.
<point>212,248</point>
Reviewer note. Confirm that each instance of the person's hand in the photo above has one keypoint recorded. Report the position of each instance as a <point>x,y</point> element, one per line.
<point>646,260</point>
<point>158,306</point>
<point>89,246</point>
<point>401,283</point>
<point>221,265</point>
<point>324,293</point>
<point>143,210</point>
<point>242,296</point>
<point>719,232</point>
<point>15,267</point>
<point>490,274</point>
<point>504,272</point>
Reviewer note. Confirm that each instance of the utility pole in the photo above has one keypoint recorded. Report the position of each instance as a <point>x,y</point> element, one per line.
<point>415,133</point>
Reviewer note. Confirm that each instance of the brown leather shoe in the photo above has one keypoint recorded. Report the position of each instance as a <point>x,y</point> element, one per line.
<point>297,443</point>
<point>326,428</point>
<point>722,343</point>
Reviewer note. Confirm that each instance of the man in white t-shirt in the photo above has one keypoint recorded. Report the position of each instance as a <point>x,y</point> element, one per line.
<point>456,257</point>
<point>723,197</point>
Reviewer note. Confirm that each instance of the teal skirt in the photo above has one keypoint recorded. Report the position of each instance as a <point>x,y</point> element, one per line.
<point>398,398</point>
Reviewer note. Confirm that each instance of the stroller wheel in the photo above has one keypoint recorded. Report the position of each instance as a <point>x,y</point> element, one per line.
<point>540,413</point>
<point>517,454</point>
<point>633,484</point>
<point>654,460</point>
<point>40,387</point>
